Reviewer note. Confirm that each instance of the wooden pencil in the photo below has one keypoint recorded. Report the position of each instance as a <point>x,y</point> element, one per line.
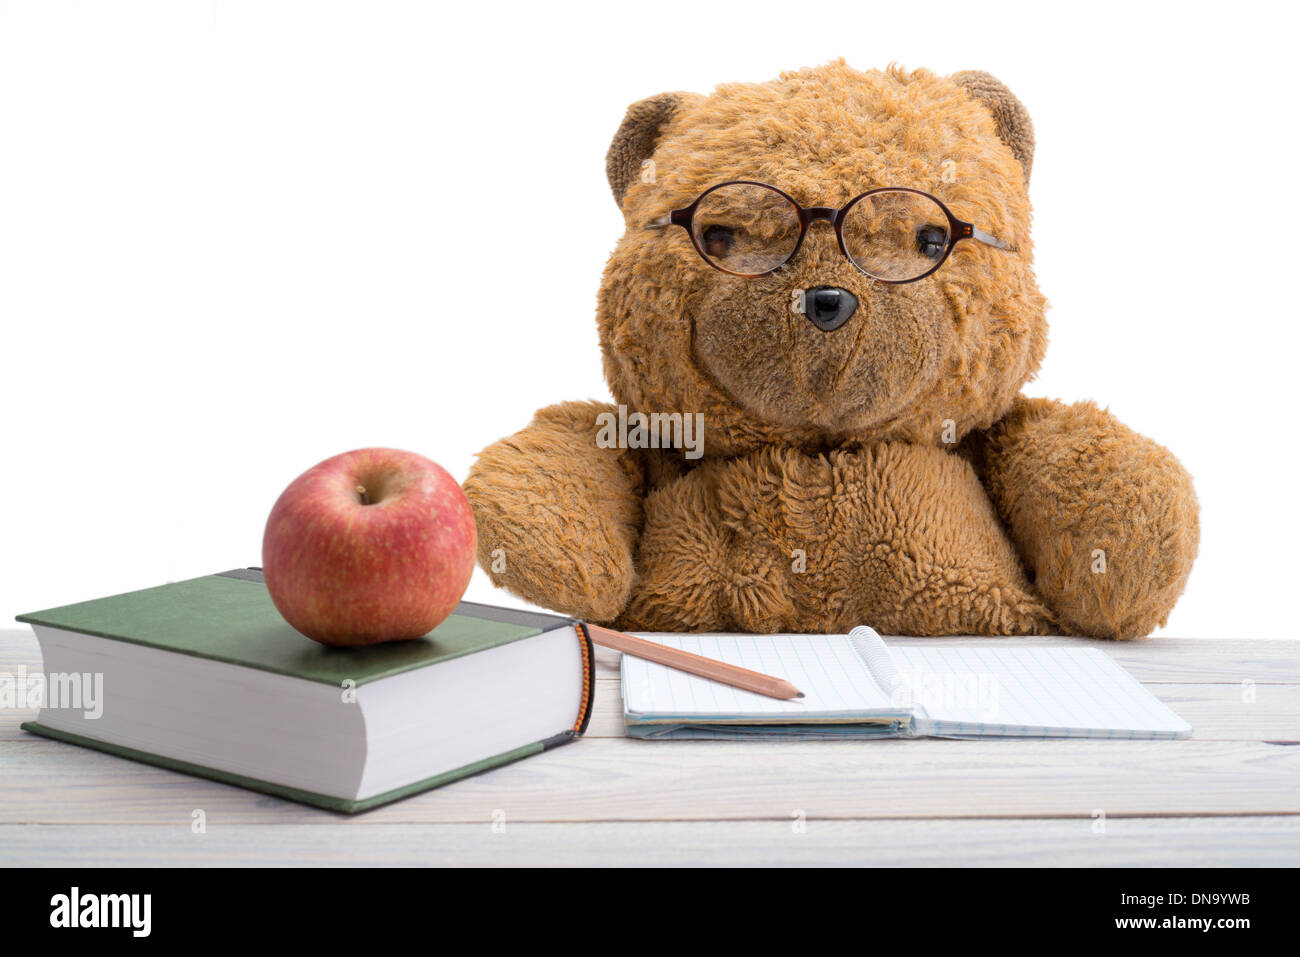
<point>711,668</point>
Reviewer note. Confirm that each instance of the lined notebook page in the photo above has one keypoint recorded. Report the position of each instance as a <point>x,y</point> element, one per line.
<point>832,676</point>
<point>1039,692</point>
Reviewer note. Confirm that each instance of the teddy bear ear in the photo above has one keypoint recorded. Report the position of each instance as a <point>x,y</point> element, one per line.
<point>636,138</point>
<point>1014,125</point>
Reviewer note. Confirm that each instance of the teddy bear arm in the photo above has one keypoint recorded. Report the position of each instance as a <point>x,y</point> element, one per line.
<point>559,515</point>
<point>1105,519</point>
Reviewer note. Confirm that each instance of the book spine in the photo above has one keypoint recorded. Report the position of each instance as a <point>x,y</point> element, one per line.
<point>588,679</point>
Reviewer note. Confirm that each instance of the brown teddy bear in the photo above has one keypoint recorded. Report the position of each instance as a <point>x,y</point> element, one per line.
<point>819,422</point>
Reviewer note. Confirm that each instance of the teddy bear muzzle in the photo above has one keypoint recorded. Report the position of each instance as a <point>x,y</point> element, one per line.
<point>829,307</point>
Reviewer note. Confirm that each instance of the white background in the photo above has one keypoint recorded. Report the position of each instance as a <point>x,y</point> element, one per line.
<point>239,237</point>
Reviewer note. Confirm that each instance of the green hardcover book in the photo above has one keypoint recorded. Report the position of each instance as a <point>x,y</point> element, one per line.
<point>204,676</point>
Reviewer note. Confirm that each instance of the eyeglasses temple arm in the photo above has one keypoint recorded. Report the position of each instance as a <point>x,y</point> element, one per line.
<point>988,239</point>
<point>661,223</point>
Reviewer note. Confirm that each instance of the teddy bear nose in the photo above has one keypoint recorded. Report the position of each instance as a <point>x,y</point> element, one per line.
<point>829,307</point>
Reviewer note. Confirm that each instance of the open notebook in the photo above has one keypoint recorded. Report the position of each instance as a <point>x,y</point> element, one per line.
<point>856,686</point>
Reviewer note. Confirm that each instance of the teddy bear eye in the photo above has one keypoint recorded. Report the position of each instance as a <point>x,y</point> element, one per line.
<point>931,241</point>
<point>718,240</point>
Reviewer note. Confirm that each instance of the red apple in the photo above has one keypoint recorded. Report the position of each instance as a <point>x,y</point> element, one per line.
<point>369,546</point>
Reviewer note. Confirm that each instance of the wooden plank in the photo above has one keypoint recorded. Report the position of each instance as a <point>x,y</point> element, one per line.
<point>1225,772</point>
<point>1218,712</point>
<point>1189,660</point>
<point>1226,712</point>
<point>1232,712</point>
<point>1146,842</point>
<point>1182,660</point>
<point>620,779</point>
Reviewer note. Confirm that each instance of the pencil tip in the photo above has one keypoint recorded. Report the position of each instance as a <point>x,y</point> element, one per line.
<point>799,695</point>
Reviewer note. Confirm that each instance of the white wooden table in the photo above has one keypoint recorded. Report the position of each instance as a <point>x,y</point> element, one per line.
<point>1230,795</point>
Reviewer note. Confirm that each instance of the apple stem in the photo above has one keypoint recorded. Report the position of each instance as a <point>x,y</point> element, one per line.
<point>365,499</point>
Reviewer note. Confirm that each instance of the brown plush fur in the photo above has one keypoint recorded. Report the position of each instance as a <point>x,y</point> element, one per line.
<point>886,473</point>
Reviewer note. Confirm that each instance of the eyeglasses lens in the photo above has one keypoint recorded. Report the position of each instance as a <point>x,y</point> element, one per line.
<point>895,235</point>
<point>745,229</point>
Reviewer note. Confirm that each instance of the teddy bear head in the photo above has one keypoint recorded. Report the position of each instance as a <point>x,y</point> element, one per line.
<point>816,352</point>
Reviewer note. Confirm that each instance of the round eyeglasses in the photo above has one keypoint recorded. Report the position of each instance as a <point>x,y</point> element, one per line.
<point>894,234</point>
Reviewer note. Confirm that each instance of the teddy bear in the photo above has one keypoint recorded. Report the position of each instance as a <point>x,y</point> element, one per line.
<point>816,328</point>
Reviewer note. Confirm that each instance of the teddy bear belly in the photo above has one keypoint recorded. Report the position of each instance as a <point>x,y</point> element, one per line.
<point>899,537</point>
